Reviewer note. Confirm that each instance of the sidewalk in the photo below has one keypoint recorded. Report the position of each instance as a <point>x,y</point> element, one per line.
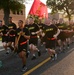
<point>1,46</point>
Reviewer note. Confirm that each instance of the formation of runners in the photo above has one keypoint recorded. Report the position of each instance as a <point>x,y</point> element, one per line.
<point>23,38</point>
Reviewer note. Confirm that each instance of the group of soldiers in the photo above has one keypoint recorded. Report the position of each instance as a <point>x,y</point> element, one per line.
<point>22,38</point>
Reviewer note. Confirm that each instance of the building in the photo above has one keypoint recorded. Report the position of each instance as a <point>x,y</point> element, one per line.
<point>21,15</point>
<point>16,15</point>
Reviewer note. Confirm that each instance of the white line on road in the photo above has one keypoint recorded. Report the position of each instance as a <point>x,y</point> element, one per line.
<point>2,49</point>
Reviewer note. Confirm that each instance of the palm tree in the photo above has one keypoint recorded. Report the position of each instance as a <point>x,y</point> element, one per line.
<point>10,5</point>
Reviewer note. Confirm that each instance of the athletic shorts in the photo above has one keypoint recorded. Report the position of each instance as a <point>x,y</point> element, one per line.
<point>22,48</point>
<point>33,41</point>
<point>5,39</point>
<point>51,44</point>
<point>69,34</point>
<point>11,39</point>
<point>62,36</point>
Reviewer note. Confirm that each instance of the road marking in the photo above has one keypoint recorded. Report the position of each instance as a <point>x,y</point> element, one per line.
<point>71,49</point>
<point>2,49</point>
<point>39,65</point>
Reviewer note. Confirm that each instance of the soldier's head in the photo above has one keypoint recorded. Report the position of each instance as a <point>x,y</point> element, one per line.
<point>10,19</point>
<point>31,20</point>
<point>20,23</point>
<point>48,22</point>
<point>54,21</point>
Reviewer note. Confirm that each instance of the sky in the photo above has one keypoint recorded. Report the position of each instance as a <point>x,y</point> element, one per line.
<point>44,1</point>
<point>28,4</point>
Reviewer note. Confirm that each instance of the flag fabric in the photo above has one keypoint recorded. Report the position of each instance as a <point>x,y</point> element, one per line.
<point>42,10</point>
<point>39,9</point>
<point>34,7</point>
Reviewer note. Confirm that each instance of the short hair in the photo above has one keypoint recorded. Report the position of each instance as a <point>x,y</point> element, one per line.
<point>21,21</point>
<point>10,17</point>
<point>31,17</point>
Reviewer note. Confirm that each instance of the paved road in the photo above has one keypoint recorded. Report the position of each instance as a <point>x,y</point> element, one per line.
<point>63,66</point>
<point>12,63</point>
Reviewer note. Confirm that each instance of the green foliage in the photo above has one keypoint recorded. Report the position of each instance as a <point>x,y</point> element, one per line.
<point>8,5</point>
<point>15,5</point>
<point>36,18</point>
<point>11,4</point>
<point>62,5</point>
<point>52,5</point>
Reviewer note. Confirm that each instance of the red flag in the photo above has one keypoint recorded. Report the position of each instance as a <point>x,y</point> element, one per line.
<point>40,9</point>
<point>34,7</point>
<point>43,10</point>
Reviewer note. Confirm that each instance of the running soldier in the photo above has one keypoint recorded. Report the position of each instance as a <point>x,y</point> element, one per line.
<point>34,30</point>
<point>41,27</point>
<point>42,37</point>
<point>69,34</point>
<point>51,33</point>
<point>3,33</point>
<point>22,35</point>
<point>62,36</point>
<point>12,29</point>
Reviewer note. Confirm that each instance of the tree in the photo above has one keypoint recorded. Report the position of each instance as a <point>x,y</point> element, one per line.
<point>9,5</point>
<point>67,6</point>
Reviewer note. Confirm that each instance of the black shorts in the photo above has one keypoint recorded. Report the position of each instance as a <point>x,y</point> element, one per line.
<point>51,44</point>
<point>22,48</point>
<point>62,36</point>
<point>33,41</point>
<point>69,34</point>
<point>5,39</point>
<point>11,39</point>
